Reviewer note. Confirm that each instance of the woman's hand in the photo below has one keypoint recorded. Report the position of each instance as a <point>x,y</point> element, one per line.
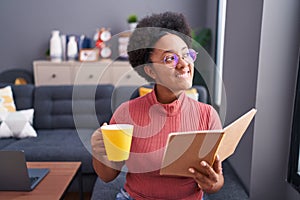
<point>106,170</point>
<point>97,143</point>
<point>209,179</point>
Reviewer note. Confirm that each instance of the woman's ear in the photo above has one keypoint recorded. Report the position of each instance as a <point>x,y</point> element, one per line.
<point>149,71</point>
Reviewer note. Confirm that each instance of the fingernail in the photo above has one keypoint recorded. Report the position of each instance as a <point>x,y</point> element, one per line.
<point>203,163</point>
<point>191,170</point>
<point>218,157</point>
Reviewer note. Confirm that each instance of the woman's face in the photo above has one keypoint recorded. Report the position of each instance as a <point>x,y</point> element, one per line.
<point>174,74</point>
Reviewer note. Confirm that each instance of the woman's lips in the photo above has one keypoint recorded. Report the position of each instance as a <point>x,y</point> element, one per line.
<point>186,74</point>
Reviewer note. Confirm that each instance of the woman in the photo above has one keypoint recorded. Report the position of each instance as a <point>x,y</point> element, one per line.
<point>159,51</point>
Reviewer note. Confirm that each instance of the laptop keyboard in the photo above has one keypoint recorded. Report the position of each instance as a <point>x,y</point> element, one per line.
<point>33,180</point>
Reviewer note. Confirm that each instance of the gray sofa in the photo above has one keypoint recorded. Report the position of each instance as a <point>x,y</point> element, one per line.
<point>64,119</point>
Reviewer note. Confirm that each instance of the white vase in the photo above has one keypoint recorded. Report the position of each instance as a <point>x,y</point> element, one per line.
<point>132,26</point>
<point>55,47</point>
<point>72,49</point>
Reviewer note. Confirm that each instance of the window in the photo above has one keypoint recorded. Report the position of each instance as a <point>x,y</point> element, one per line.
<point>294,160</point>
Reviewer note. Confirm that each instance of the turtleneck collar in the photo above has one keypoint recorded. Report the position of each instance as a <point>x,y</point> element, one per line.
<point>169,109</point>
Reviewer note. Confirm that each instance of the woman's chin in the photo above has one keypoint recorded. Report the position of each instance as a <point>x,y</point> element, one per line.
<point>185,86</point>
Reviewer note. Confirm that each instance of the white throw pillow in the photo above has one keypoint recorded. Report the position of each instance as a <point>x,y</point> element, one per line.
<point>7,100</point>
<point>17,124</point>
<point>194,96</point>
<point>192,93</point>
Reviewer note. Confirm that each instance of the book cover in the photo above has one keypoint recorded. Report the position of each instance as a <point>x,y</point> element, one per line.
<point>186,149</point>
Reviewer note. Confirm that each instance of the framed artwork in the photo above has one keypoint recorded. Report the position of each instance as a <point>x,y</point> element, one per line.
<point>89,55</point>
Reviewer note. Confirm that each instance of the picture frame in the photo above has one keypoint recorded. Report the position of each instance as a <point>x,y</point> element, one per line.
<point>88,55</point>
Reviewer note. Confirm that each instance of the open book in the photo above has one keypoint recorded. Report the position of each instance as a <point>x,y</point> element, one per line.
<point>187,149</point>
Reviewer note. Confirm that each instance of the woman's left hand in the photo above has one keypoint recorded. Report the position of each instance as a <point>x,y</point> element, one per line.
<point>209,178</point>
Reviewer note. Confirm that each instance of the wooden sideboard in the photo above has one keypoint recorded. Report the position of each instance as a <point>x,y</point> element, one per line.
<point>83,73</point>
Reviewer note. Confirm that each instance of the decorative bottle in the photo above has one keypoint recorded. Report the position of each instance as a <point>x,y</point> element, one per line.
<point>72,49</point>
<point>55,47</point>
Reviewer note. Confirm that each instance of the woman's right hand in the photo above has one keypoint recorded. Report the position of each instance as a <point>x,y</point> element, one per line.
<point>106,170</point>
<point>97,143</point>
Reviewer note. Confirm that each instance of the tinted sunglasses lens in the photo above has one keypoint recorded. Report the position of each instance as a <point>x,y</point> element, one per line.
<point>193,54</point>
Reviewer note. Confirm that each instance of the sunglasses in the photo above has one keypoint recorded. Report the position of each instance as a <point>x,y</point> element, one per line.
<point>172,59</point>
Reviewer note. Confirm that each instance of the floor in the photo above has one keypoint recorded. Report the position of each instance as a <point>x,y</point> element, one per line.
<point>232,189</point>
<point>76,196</point>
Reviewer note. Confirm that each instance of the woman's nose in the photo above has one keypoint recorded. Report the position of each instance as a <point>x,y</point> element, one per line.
<point>182,63</point>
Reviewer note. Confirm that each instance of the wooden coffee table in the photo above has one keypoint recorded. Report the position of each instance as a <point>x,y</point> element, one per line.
<point>53,186</point>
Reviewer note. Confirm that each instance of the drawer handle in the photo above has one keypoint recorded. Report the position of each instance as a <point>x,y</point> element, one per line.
<point>128,76</point>
<point>91,76</point>
<point>53,76</point>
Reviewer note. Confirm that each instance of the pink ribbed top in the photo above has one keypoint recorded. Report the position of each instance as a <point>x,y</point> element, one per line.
<point>153,122</point>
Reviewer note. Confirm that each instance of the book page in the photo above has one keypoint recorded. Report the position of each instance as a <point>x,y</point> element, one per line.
<point>233,134</point>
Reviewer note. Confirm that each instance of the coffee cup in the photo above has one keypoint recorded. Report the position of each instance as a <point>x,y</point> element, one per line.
<point>117,141</point>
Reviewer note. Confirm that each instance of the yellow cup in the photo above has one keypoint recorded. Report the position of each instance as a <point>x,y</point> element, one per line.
<point>117,141</point>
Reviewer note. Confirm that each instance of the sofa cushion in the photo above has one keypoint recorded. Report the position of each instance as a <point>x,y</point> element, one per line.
<point>122,94</point>
<point>70,107</point>
<point>202,94</point>
<point>57,145</point>
<point>6,141</point>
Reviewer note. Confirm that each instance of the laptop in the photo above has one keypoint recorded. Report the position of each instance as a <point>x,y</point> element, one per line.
<point>14,174</point>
